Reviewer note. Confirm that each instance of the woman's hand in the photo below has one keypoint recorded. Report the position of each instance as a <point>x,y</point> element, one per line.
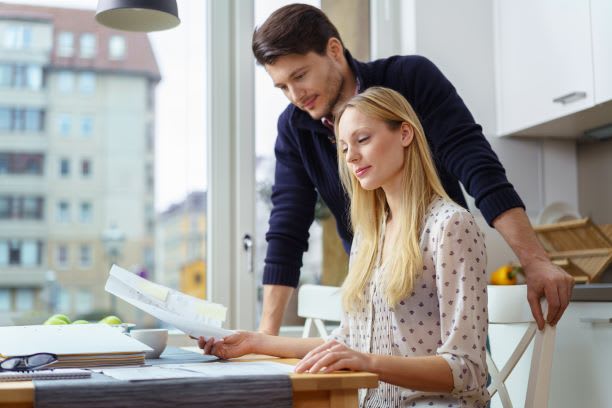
<point>234,345</point>
<point>334,356</point>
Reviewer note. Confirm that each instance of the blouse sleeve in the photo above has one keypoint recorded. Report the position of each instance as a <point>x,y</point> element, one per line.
<point>461,282</point>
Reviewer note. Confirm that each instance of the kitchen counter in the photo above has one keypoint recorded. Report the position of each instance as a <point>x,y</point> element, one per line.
<point>593,292</point>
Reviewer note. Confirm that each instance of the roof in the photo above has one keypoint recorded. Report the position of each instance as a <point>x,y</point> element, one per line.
<point>139,59</point>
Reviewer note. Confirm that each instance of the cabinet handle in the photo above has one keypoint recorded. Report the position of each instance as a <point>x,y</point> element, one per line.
<point>595,320</point>
<point>570,97</point>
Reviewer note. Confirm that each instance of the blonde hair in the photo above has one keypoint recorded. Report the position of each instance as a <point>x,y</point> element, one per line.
<point>367,208</point>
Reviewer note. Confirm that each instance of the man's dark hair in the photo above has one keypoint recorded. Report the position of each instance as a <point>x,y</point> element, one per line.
<point>293,29</point>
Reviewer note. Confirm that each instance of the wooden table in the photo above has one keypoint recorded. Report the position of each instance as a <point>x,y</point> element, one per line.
<point>309,390</point>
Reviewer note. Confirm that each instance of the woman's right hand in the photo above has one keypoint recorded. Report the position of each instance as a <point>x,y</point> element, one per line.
<point>234,345</point>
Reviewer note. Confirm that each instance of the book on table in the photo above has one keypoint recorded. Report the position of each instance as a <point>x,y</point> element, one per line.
<point>83,345</point>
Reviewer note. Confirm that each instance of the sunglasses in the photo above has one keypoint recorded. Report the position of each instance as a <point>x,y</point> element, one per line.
<point>29,362</point>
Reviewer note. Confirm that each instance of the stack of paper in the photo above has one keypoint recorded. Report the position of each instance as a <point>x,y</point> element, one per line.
<point>193,316</point>
<point>82,345</point>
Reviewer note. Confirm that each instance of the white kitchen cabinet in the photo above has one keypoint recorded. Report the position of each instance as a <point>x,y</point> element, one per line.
<point>601,21</point>
<point>543,61</point>
<point>581,361</point>
<point>583,357</point>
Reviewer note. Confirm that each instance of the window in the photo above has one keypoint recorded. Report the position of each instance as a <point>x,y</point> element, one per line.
<point>18,37</point>
<point>14,252</point>
<point>6,75</point>
<point>85,258</point>
<point>86,126</point>
<point>33,120</point>
<point>87,82</point>
<point>5,300</point>
<point>6,119</point>
<point>32,208</point>
<point>86,212</point>
<point>24,299</point>
<point>116,47</point>
<point>64,168</point>
<point>34,77</point>
<point>30,253</point>
<point>64,124</point>
<point>64,300</point>
<point>6,203</point>
<point>88,45</point>
<point>65,81</point>
<point>62,256</point>
<point>65,44</point>
<point>4,253</point>
<point>63,212</point>
<point>84,301</point>
<point>86,167</point>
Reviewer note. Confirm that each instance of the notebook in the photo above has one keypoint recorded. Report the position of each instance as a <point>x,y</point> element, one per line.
<point>57,374</point>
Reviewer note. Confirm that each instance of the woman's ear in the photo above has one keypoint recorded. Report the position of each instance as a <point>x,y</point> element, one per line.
<point>407,133</point>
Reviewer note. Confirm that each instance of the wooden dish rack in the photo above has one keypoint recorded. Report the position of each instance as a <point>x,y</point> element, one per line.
<point>581,248</point>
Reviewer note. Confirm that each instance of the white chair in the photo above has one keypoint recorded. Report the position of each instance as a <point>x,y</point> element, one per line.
<point>317,303</point>
<point>508,305</point>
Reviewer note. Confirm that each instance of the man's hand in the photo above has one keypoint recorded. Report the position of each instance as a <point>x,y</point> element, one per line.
<point>543,278</point>
<point>333,356</point>
<point>548,280</point>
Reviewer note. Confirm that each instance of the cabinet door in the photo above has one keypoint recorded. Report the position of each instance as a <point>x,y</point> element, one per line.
<point>583,357</point>
<point>601,20</point>
<point>543,61</point>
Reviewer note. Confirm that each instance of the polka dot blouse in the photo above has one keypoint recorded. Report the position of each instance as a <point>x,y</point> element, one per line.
<point>445,315</point>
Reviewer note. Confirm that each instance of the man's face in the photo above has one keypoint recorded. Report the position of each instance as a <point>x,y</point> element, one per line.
<point>312,82</point>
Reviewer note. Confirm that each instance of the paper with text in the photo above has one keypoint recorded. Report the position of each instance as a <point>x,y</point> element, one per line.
<point>191,315</point>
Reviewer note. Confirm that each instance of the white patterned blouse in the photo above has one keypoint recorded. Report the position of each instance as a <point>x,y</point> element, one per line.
<point>445,315</point>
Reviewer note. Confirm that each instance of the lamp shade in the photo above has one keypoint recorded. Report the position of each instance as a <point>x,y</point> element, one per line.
<point>138,15</point>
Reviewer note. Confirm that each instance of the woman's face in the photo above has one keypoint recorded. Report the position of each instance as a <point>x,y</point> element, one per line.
<point>373,152</point>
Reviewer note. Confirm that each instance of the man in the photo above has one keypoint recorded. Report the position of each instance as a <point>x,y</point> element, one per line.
<point>304,55</point>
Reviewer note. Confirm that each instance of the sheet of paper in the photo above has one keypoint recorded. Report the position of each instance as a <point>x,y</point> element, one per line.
<point>149,373</point>
<point>232,369</point>
<point>193,316</point>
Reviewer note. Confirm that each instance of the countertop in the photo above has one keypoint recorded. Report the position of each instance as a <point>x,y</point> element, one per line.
<point>592,292</point>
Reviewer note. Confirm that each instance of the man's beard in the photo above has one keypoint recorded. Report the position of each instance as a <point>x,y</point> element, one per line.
<point>336,85</point>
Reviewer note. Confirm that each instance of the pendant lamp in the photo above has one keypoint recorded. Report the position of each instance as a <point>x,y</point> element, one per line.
<point>138,15</point>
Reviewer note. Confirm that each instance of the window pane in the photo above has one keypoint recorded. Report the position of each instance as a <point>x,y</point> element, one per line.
<point>86,126</point>
<point>64,167</point>
<point>5,207</point>
<point>65,81</point>
<point>29,253</point>
<point>86,168</point>
<point>5,300</point>
<point>86,213</point>
<point>65,44</point>
<point>24,300</point>
<point>33,120</point>
<point>85,256</point>
<point>87,82</point>
<point>63,212</point>
<point>4,253</point>
<point>88,45</point>
<point>64,123</point>
<point>116,47</point>
<point>34,77</point>
<point>62,255</point>
<point>6,119</point>
<point>6,75</point>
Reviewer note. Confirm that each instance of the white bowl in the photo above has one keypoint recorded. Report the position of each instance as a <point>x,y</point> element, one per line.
<point>154,338</point>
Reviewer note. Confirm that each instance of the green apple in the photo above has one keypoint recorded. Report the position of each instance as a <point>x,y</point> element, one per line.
<point>80,322</point>
<point>111,320</point>
<point>55,321</point>
<point>61,317</point>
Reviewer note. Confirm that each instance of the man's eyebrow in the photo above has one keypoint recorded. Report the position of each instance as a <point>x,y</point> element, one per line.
<point>292,74</point>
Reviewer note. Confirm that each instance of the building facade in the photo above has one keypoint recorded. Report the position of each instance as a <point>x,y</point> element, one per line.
<point>77,112</point>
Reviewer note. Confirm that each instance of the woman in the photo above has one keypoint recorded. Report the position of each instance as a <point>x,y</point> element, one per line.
<point>415,296</point>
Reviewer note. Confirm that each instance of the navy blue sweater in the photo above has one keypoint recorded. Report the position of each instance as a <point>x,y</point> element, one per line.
<point>306,161</point>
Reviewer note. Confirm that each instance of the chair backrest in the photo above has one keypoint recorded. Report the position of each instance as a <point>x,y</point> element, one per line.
<point>508,305</point>
<point>317,303</point>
